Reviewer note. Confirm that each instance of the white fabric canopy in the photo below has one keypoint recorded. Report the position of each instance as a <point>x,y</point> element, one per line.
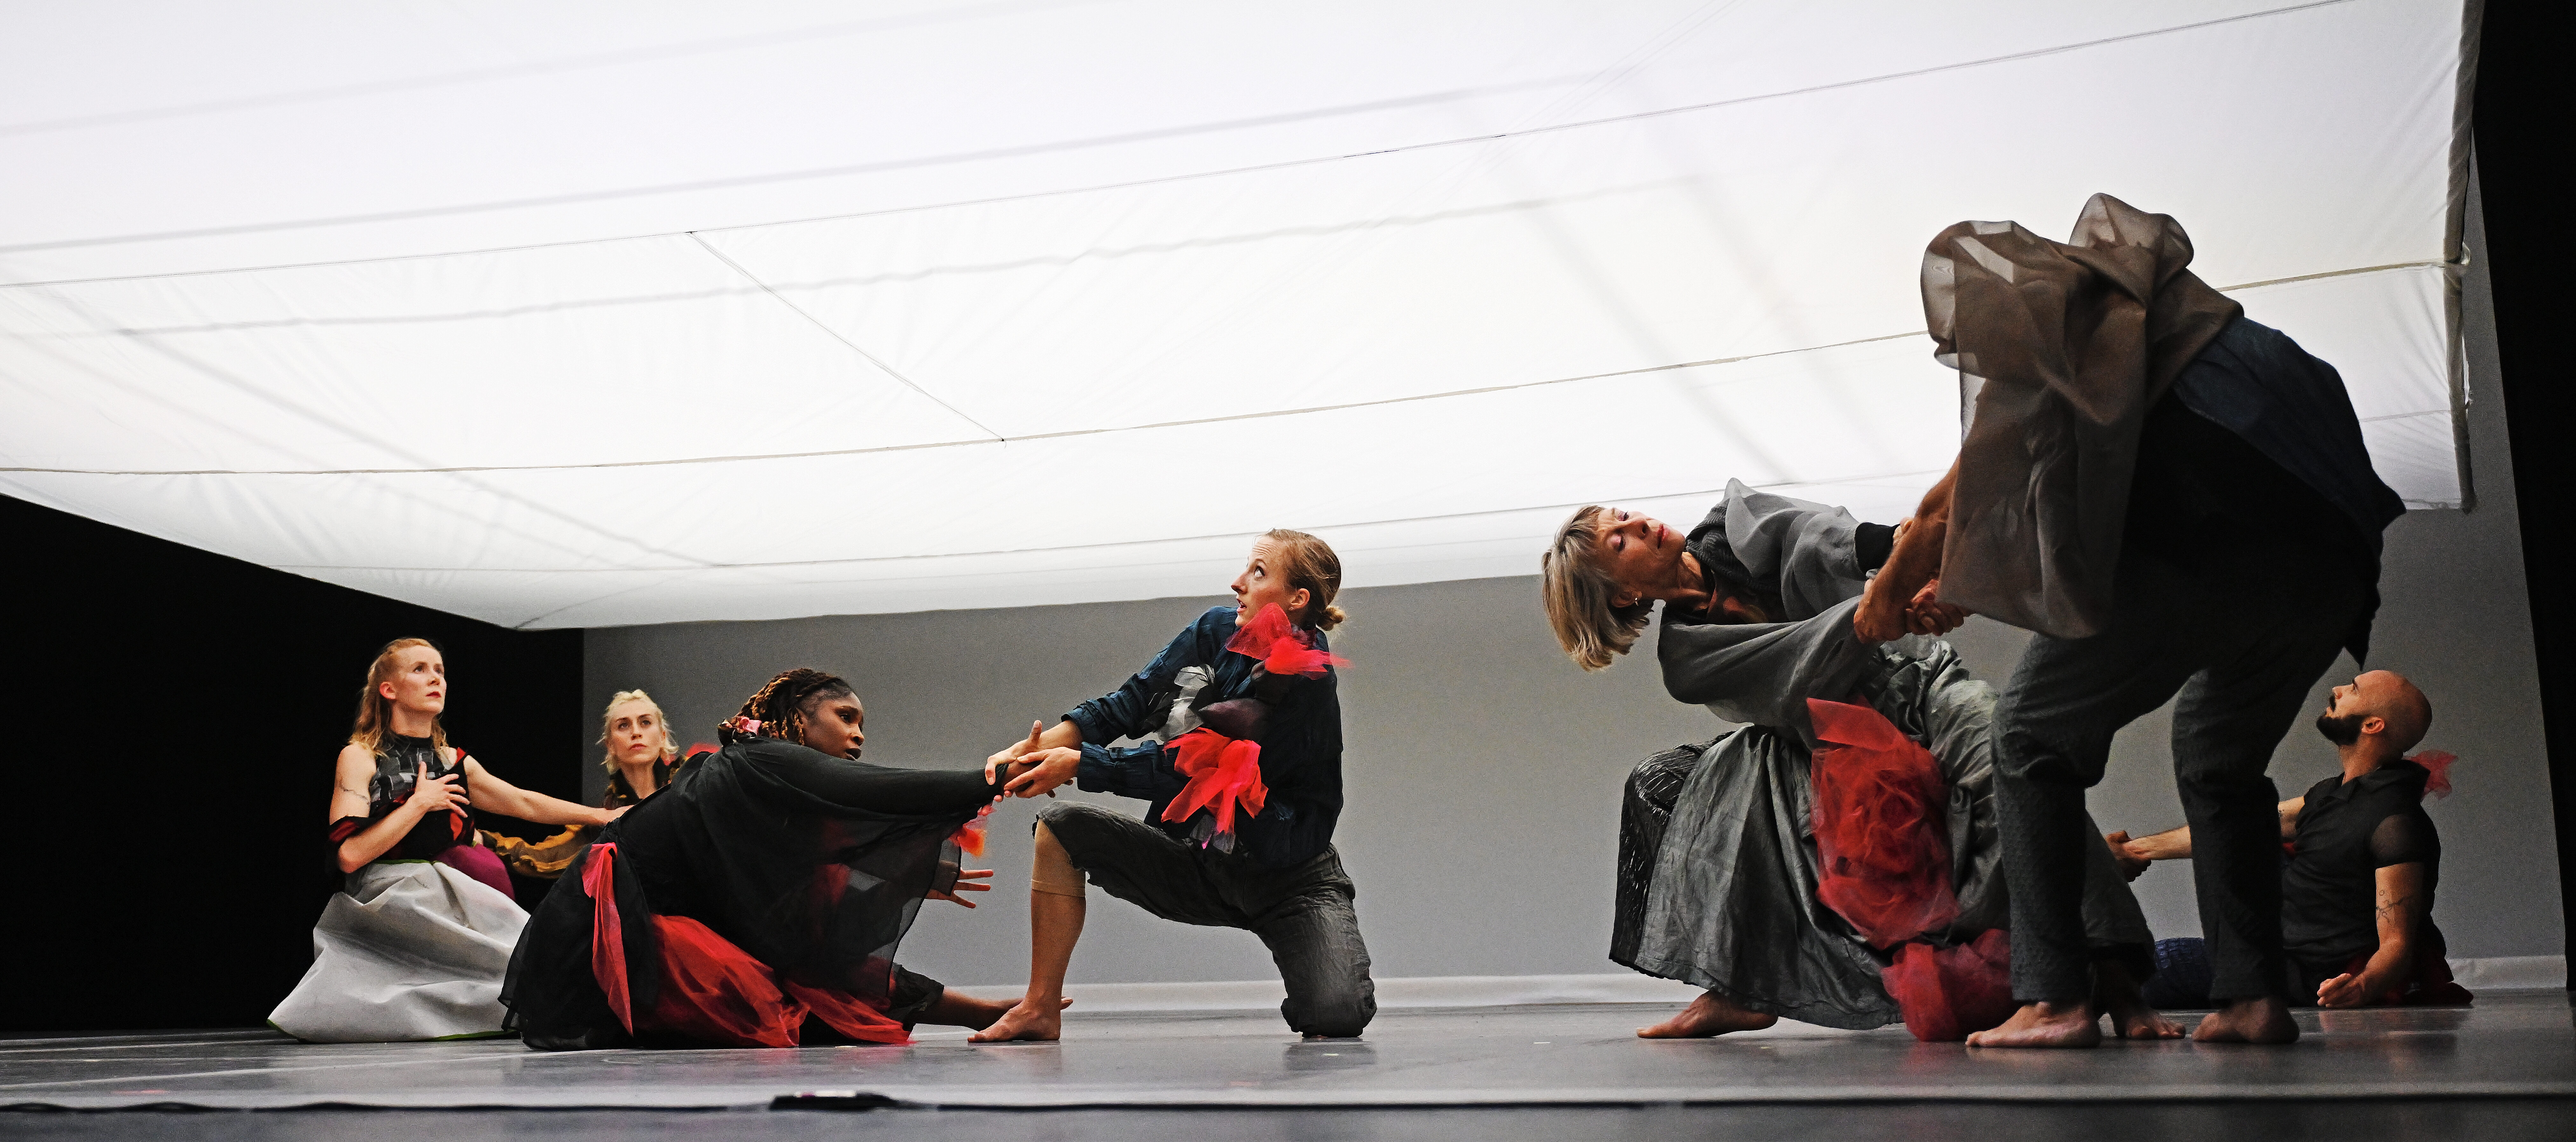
<point>586,315</point>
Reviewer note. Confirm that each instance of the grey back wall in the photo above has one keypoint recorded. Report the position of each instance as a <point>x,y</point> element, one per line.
<point>1483,770</point>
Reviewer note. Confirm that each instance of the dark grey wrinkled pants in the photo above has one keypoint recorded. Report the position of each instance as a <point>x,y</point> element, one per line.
<point>1302,914</point>
<point>2242,638</point>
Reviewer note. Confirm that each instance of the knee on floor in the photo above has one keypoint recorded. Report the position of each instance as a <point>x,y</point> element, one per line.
<point>1337,1018</point>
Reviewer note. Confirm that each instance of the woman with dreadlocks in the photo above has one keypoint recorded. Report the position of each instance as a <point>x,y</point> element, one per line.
<point>1242,776</point>
<point>414,946</point>
<point>758,899</point>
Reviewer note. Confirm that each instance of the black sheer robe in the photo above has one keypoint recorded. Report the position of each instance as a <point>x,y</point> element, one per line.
<point>814,865</point>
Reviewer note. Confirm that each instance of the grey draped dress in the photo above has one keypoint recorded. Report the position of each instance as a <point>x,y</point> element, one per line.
<point>1718,868</point>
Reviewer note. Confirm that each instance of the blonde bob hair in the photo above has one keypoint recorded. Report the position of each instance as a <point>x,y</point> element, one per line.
<point>1577,594</point>
<point>608,718</point>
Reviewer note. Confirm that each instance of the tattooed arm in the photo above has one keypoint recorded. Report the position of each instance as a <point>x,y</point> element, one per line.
<point>2402,905</point>
<point>356,768</point>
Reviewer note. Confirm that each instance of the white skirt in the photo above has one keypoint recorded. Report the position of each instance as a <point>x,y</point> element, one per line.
<point>409,950</point>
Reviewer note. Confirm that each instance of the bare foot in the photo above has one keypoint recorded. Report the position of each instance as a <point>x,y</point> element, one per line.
<point>2045,1025</point>
<point>1706,1016</point>
<point>2116,995</point>
<point>2264,1021</point>
<point>1026,1021</point>
<point>957,1010</point>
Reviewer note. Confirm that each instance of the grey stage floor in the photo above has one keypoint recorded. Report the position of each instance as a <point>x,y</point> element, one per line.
<point>2505,1067</point>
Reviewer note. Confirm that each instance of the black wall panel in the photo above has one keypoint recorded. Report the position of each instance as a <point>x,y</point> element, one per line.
<point>171,720</point>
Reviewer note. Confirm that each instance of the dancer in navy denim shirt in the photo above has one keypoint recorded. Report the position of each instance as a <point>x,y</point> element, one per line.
<point>1241,729</point>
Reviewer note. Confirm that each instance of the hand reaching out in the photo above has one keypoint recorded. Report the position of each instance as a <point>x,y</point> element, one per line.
<point>968,880</point>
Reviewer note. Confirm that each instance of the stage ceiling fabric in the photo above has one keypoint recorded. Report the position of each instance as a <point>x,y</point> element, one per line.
<point>590,314</point>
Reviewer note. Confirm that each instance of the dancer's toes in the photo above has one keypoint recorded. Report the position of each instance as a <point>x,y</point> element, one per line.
<point>2264,1022</point>
<point>2117,995</point>
<point>2044,1025</point>
<point>2142,1022</point>
<point>1706,1016</point>
<point>1025,1021</point>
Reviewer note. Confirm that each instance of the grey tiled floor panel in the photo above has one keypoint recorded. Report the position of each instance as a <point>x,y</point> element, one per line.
<point>2510,1051</point>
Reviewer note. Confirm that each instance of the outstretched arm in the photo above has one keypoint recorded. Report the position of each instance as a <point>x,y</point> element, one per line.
<point>2401,908</point>
<point>2133,853</point>
<point>1050,754</point>
<point>485,791</point>
<point>1763,673</point>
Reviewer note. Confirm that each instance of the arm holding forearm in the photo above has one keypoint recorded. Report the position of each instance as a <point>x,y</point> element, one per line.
<point>1917,556</point>
<point>1915,562</point>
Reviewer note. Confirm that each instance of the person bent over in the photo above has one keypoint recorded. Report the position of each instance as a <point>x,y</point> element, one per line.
<point>2357,884</point>
<point>1242,775</point>
<point>1723,874</point>
<point>2177,502</point>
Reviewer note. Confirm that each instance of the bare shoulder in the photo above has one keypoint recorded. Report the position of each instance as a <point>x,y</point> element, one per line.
<point>355,758</point>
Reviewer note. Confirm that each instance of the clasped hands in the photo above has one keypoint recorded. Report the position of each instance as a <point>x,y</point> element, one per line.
<point>1882,619</point>
<point>1041,768</point>
<point>1040,771</point>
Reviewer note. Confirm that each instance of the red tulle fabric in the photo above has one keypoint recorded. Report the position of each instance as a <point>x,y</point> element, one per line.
<point>713,992</point>
<point>2438,764</point>
<point>1223,773</point>
<point>1949,993</point>
<point>1281,647</point>
<point>607,937</point>
<point>1883,844</point>
<point>969,837</point>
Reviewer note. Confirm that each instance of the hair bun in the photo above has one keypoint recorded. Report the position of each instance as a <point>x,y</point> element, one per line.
<point>1333,617</point>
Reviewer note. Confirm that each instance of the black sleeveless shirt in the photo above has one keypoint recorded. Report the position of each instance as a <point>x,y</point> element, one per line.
<point>398,765</point>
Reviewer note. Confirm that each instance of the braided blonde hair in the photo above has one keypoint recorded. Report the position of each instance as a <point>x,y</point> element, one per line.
<point>376,712</point>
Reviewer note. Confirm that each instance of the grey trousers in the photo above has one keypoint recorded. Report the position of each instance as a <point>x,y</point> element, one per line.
<point>1302,914</point>
<point>2242,637</point>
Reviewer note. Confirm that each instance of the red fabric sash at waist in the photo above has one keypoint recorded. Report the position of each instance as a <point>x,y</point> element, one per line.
<point>607,938</point>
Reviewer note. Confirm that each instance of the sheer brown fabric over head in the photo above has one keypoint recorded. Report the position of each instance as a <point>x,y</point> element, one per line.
<point>2063,346</point>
